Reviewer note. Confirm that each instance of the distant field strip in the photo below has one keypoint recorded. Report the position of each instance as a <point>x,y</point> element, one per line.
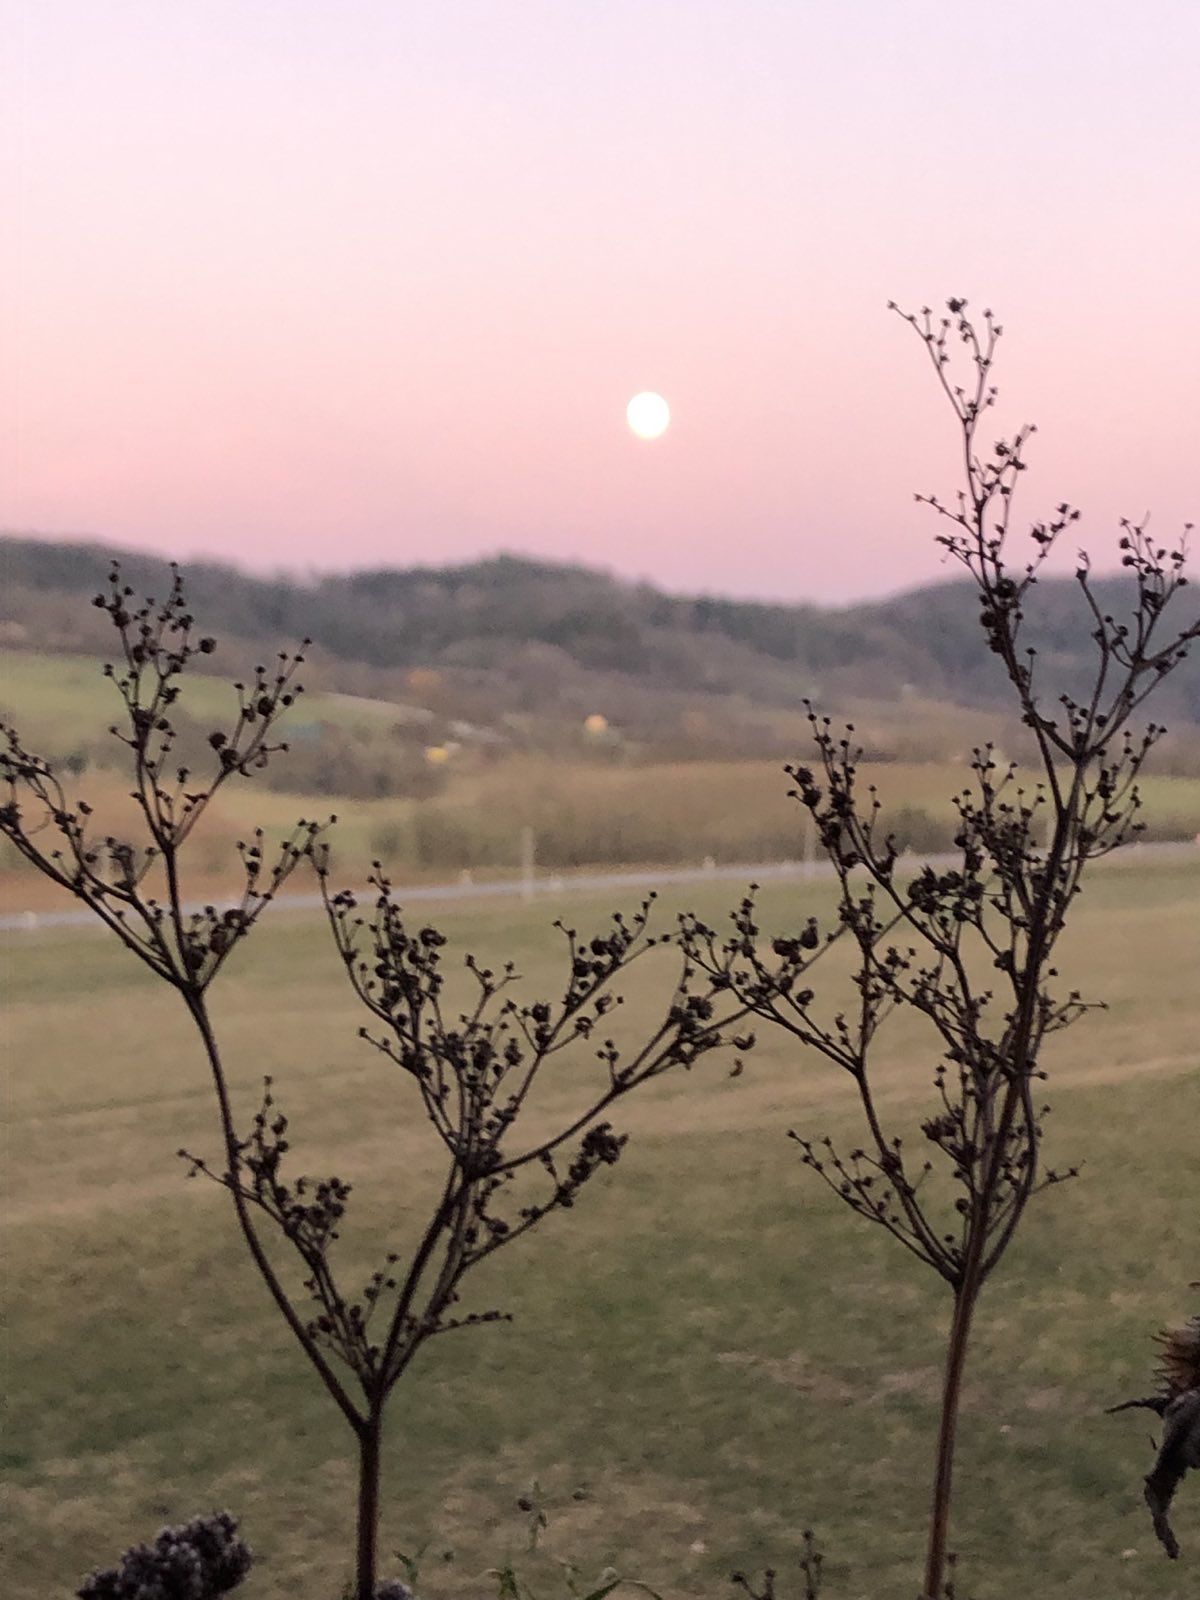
<point>548,885</point>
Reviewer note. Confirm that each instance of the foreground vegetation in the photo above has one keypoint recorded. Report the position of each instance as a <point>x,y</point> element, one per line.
<point>709,1399</point>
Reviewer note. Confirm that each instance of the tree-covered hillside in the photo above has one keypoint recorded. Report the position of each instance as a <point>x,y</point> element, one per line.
<point>525,634</point>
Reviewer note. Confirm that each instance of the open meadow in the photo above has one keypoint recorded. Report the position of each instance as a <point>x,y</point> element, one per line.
<point>709,1351</point>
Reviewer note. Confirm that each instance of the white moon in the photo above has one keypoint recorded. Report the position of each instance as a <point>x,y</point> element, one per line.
<point>648,415</point>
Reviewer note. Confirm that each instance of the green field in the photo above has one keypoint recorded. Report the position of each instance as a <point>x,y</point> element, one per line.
<point>66,699</point>
<point>708,1346</point>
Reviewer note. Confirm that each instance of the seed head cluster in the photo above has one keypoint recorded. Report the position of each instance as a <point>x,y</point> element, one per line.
<point>199,1560</point>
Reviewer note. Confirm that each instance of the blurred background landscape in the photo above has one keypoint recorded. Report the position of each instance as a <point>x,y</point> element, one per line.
<point>449,709</point>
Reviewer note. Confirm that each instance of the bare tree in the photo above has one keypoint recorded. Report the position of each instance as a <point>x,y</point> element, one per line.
<point>473,1072</point>
<point>969,948</point>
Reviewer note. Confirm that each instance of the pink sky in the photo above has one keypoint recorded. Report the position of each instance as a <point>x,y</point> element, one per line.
<point>309,284</point>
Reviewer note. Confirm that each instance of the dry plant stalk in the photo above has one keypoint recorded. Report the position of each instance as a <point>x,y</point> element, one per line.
<point>811,1565</point>
<point>472,1072</point>
<point>971,947</point>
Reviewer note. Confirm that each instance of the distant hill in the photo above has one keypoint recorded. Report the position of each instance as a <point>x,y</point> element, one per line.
<point>509,637</point>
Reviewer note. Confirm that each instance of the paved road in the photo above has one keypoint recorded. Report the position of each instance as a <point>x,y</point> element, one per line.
<point>548,885</point>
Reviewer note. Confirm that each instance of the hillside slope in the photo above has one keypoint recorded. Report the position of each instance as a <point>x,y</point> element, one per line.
<point>509,635</point>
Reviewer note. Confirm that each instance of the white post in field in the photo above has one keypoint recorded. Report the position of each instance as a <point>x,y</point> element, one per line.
<point>809,831</point>
<point>527,863</point>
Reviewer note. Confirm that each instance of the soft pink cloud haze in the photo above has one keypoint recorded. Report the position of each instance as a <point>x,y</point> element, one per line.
<point>312,284</point>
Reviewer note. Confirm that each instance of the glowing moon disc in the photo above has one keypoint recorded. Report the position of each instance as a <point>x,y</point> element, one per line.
<point>648,415</point>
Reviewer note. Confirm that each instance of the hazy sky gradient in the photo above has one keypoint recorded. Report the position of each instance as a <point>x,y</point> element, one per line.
<point>322,283</point>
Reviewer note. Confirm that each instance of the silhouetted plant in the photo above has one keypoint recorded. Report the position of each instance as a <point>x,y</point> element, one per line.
<point>472,1072</point>
<point>514,1578</point>
<point>765,1587</point>
<point>200,1560</point>
<point>969,948</point>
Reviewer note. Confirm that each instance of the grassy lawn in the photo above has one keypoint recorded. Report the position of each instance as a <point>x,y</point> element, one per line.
<point>708,1347</point>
